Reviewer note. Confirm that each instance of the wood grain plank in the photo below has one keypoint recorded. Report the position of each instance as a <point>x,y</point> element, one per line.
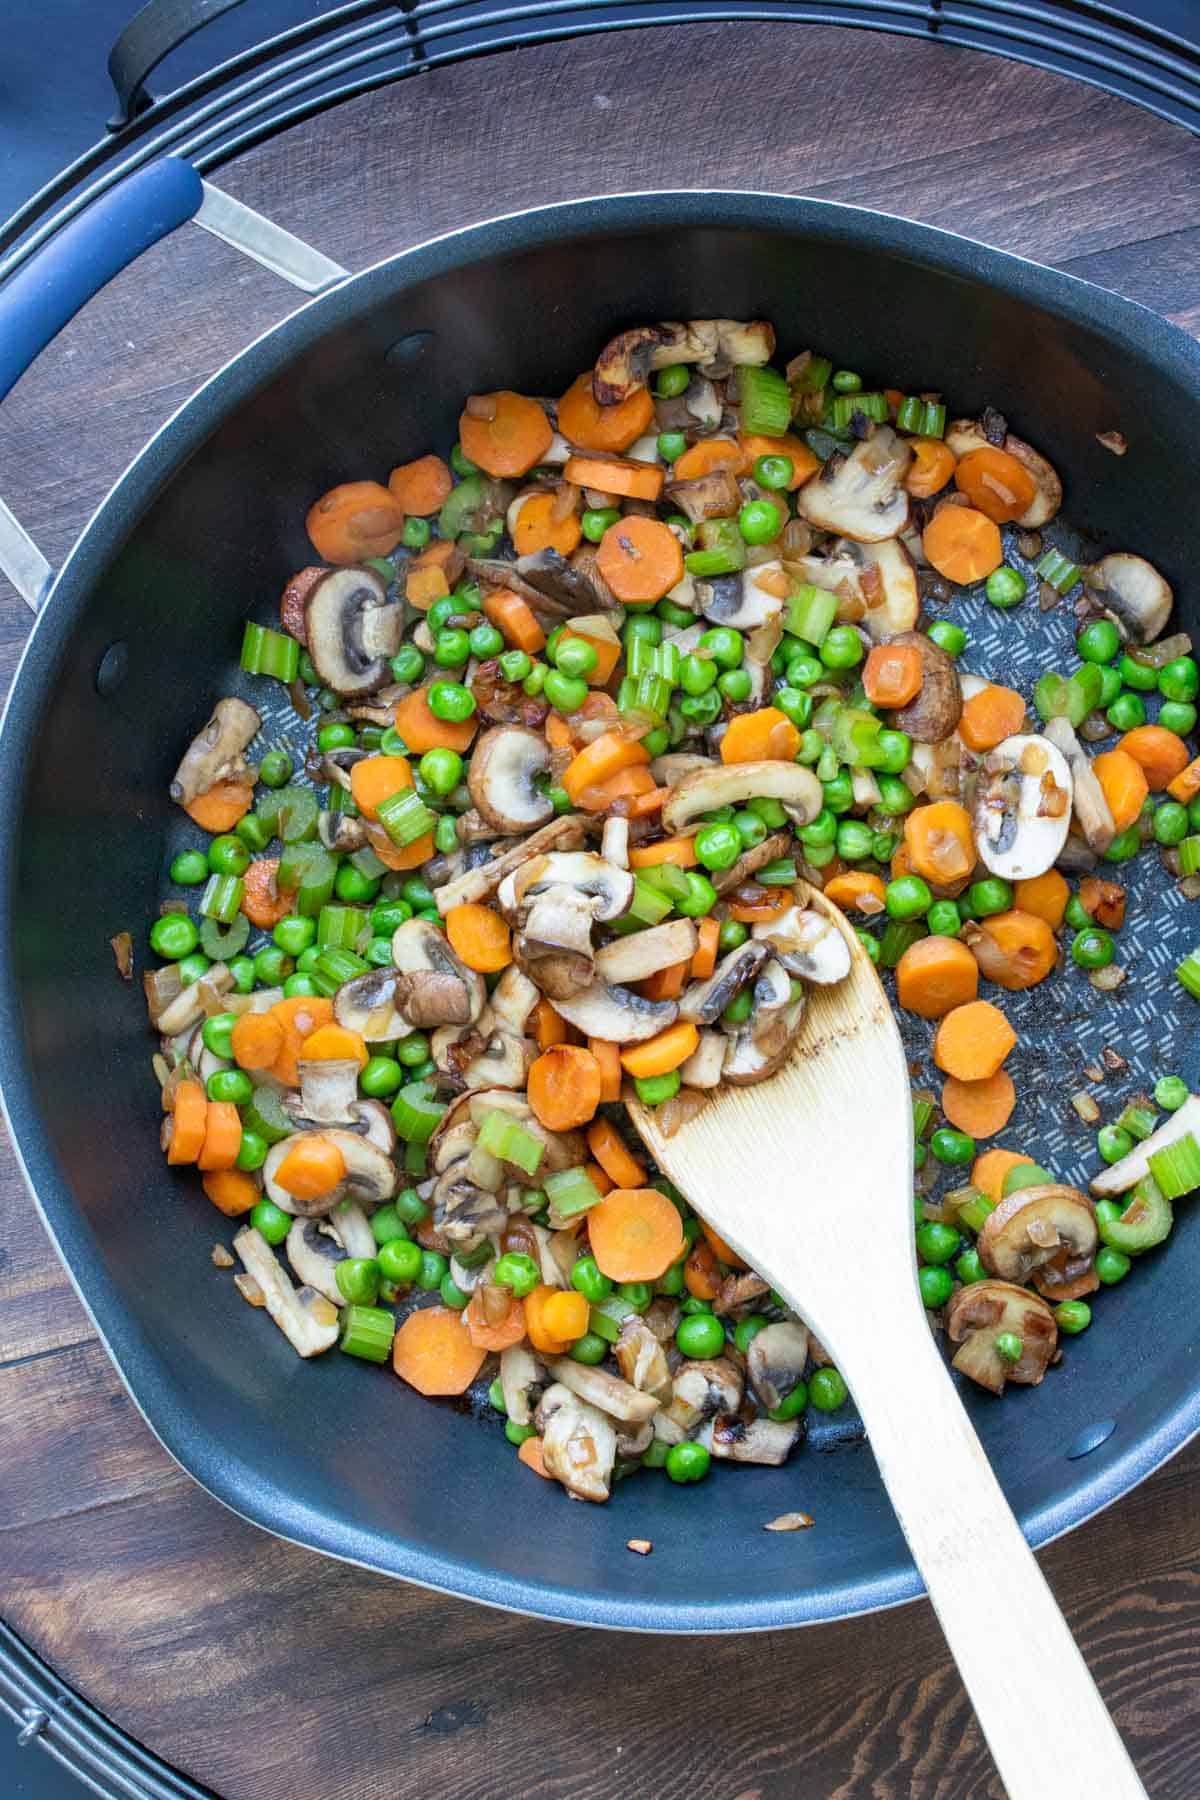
<point>267,1671</point>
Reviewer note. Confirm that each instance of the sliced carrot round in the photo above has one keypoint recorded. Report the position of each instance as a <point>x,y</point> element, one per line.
<point>189,1119</point>
<point>257,1039</point>
<point>931,467</point>
<point>622,1168</point>
<point>640,559</point>
<point>262,902</point>
<point>232,1190</point>
<point>422,486</point>
<point>374,779</point>
<point>312,1167</point>
<point>355,520</point>
<point>564,1086</point>
<point>479,937</point>
<point>963,544</point>
<point>972,1041</point>
<point>584,422</point>
<point>995,483</point>
<point>220,809</point>
<point>333,1043</point>
<point>635,1234</point>
<point>505,433</point>
<point>541,525</point>
<point>433,1352</point>
<point>980,1108</point>
<point>487,1333</point>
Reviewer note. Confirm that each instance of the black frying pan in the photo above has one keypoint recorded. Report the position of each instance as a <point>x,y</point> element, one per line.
<point>141,631</point>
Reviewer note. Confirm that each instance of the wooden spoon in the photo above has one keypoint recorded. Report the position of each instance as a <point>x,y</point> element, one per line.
<point>809,1177</point>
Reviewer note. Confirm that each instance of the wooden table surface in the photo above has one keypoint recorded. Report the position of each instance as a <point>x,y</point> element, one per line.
<point>263,1670</point>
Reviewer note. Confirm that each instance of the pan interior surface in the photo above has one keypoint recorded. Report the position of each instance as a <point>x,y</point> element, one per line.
<point>203,532</point>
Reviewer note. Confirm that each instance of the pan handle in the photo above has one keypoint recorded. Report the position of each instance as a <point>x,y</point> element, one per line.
<point>47,292</point>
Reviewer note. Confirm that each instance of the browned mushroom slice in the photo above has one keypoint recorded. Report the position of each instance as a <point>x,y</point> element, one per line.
<point>702,1388</point>
<point>503,778</point>
<point>433,987</point>
<point>861,496</point>
<point>1050,1227</point>
<point>888,584</point>
<point>579,1443</point>
<point>617,1398</point>
<point>767,1441</point>
<point>744,601</point>
<point>731,784</point>
<point>705,1001</point>
<point>1134,592</point>
<point>808,944</point>
<point>1022,809</point>
<point>353,630</point>
<point>763,1044</point>
<point>712,496</point>
<point>937,709</point>
<point>215,753</point>
<point>307,1319</point>
<point>628,359</point>
<point>644,953</point>
<point>564,833</point>
<point>775,1362</point>
<point>616,1014</point>
<point>554,900</point>
<point>1091,808</point>
<point>642,1359</point>
<point>977,1315</point>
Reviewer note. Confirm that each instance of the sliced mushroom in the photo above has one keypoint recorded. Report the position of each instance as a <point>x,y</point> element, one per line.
<point>978,1314</point>
<point>565,833</point>
<point>808,944</point>
<point>215,753</point>
<point>513,999</point>
<point>613,1396</point>
<point>367,1004</point>
<point>642,1359</point>
<point>614,842</point>
<point>1022,809</point>
<point>616,1013</point>
<point>779,843</point>
<point>370,1175</point>
<point>644,953</point>
<point>554,900</point>
<point>1134,592</point>
<point>328,1092</point>
<point>775,1361</point>
<point>341,831</point>
<point>434,987</point>
<point>705,1001</point>
<point>744,601</point>
<point>703,1067</point>
<point>579,1444</point>
<point>701,1389</point>
<point>187,1007</point>
<point>373,1121</point>
<point>316,1246</point>
<point>888,584</point>
<point>862,495</point>
<point>353,630</point>
<point>626,361</point>
<point>763,1044</point>
<point>306,1318</point>
<point>502,778</point>
<point>569,588</point>
<point>964,435</point>
<point>712,496</point>
<point>1047,1232</point>
<point>1092,811</point>
<point>937,709</point>
<point>502,1061</point>
<point>1131,1169</point>
<point>520,1375</point>
<point>766,1441</point>
<point>462,1210</point>
<point>732,784</point>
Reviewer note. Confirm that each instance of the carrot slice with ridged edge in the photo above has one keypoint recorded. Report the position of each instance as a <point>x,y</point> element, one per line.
<point>433,1352</point>
<point>635,1234</point>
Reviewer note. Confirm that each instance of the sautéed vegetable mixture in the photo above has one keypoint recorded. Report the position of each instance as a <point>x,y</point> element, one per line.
<point>580,717</point>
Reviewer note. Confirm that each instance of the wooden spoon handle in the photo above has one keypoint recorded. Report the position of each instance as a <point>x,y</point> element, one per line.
<point>1039,1708</point>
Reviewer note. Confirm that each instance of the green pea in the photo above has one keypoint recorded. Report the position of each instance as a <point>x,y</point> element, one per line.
<point>953,1147</point>
<point>1008,1346</point>
<point>839,793</point>
<point>936,1286</point>
<point>804,670</point>
<point>275,769</point>
<point>672,381</point>
<point>412,1050</point>
<point>217,1032</point>
<point>895,798</point>
<point>992,895</point>
<point>908,897</point>
<point>760,521</point>
<point>937,1243</point>
<point>969,1268</point>
<point>639,1294</point>
<point>1005,587</point>
<point>1179,680</point>
<point>792,1404</point>
<point>1110,685</point>
<point>484,640</point>
<point>947,636</point>
<point>451,648</point>
<point>1124,846</point>
<point>392,744</point>
<point>827,1390</point>
<point>1137,674</point>
<point>193,968</point>
<point>300,987</point>
<point>350,883</point>
<point>895,751</point>
<point>1073,1316</point>
<point>587,1280</point>
<point>308,673</point>
<point>461,463</point>
<point>408,664</point>
<point>294,934</point>
<point>189,868</point>
<point>944,919</point>
<point>566,692</point>
<point>1170,822</point>
<point>441,770</point>
<point>1076,915</point>
<point>697,674</point>
<point>795,705</point>
<point>673,614</point>
<point>1177,716</point>
<point>1127,712</point>
<point>416,533</point>
<point>271,1220</point>
<point>380,1077</point>
<point>732,935</point>
<point>1092,949</point>
<point>854,840</point>
<point>410,1207</point>
<point>700,898</point>
<point>869,942</point>
<point>242,970</point>
<point>750,829</point>
<point>518,1272</point>
<point>174,936</point>
<point>845,381</point>
<point>450,701</point>
<point>401,1261</point>
<point>596,521</point>
<point>336,737</point>
<point>440,613</point>
<point>841,648</point>
<point>1170,1092</point>
<point>1098,642</point>
<point>252,1151</point>
<point>747,1330</point>
<point>884,845</point>
<point>687,1462</point>
<point>357,1278</point>
<point>231,1086</point>
<point>574,657</point>
<point>670,445</point>
<point>1113,1142</point>
<point>387,1225</point>
<point>652,1090</point>
<point>718,846</point>
<point>773,472</point>
<point>433,1266</point>
<point>1106,1211</point>
<point>700,1335</point>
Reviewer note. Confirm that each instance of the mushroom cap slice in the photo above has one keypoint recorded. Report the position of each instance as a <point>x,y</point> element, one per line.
<point>975,1317</point>
<point>579,1443</point>
<point>1121,1176</point>
<point>519,1373</point>
<point>807,943</point>
<point>1092,811</point>
<point>328,1091</point>
<point>367,1004</point>
<point>1022,811</point>
<point>216,750</point>
<point>613,1396</point>
<point>763,1044</point>
<point>353,630</point>
<point>370,1175</point>
<point>625,362</point>
<point>702,1388</point>
<point>743,601</point>
<point>642,1359</point>
<point>965,435</point>
<point>1033,1227</point>
<point>435,986</point>
<point>937,709</point>
<point>644,953</point>
<point>502,778</point>
<point>862,495</point>
<point>1134,592</point>
<point>306,1318</point>
<point>888,583</point>
<point>609,888</point>
<point>462,1209</point>
<point>775,1361</point>
<point>616,1013</point>
<point>705,1001</point>
<point>315,1248</point>
<point>767,1441</point>
<point>731,784</point>
<point>704,1066</point>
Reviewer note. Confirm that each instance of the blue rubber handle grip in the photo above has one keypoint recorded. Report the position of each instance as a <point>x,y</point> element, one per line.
<point>39,299</point>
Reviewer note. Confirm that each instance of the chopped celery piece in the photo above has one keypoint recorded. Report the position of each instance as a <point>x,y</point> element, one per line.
<point>934,423</point>
<point>765,402</point>
<point>405,817</point>
<point>923,1111</point>
<point>856,738</point>
<point>972,1213</point>
<point>506,1138</point>
<point>780,873</point>
<point>1050,696</point>
<point>223,942</point>
<point>1147,1218</point>
<point>264,1114</point>
<point>306,873</point>
<point>1187,974</point>
<point>367,1331</point>
<point>1058,570</point>
<point>333,967</point>
<point>1138,1120</point>
<point>645,696</point>
<point>1084,690</point>
<point>266,652</point>
<point>896,937</point>
<point>222,898</point>
<point>1189,856</point>
<point>416,1112</point>
<point>666,878</point>
<point>290,813</point>
<point>910,414</point>
<point>649,906</point>
<point>809,613</point>
<point>608,1315</point>
<point>813,375</point>
<point>462,506</point>
<point>871,406</point>
<point>1176,1168</point>
<point>570,1192</point>
<point>340,927</point>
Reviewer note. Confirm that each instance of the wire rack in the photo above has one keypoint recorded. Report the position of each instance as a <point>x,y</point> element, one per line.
<point>1144,54</point>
